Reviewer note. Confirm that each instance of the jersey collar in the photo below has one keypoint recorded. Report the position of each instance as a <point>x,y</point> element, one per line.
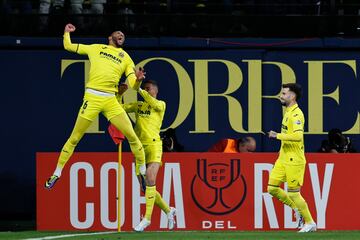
<point>290,109</point>
<point>111,46</point>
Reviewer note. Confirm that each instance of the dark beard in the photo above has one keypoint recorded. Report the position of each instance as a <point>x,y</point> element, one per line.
<point>284,104</point>
<point>114,39</point>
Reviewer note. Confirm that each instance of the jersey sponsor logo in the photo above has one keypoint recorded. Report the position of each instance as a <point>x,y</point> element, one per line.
<point>218,182</point>
<point>146,112</point>
<point>109,56</point>
<point>284,127</point>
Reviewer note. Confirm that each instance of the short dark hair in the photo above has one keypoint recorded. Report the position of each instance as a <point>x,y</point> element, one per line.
<point>116,31</point>
<point>153,82</point>
<point>242,141</point>
<point>295,88</point>
<point>338,141</point>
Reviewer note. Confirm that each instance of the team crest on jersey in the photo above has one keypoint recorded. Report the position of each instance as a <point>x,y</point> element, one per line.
<point>121,54</point>
<point>298,122</point>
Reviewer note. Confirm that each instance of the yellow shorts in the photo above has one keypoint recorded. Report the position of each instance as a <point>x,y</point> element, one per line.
<point>153,153</point>
<point>293,175</point>
<point>94,104</point>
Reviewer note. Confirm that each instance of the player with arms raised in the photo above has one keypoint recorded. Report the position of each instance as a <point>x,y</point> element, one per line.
<point>149,116</point>
<point>107,64</point>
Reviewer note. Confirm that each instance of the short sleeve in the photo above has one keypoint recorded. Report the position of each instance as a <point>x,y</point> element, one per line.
<point>84,49</point>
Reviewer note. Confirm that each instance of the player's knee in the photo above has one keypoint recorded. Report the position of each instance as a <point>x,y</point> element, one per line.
<point>273,190</point>
<point>135,146</point>
<point>132,138</point>
<point>150,178</point>
<point>150,181</point>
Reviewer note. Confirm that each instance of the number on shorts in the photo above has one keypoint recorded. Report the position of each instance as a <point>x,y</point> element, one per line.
<point>85,105</point>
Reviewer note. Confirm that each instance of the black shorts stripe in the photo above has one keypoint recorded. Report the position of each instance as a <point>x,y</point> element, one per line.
<point>273,185</point>
<point>294,190</point>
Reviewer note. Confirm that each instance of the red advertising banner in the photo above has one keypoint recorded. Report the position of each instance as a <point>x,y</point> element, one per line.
<point>211,191</point>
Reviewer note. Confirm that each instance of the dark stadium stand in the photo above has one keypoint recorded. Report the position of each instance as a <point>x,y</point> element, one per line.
<point>202,18</point>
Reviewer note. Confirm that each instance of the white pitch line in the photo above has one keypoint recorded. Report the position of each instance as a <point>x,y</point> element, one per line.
<point>69,235</point>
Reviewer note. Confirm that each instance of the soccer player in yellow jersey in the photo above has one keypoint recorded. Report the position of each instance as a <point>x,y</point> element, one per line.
<point>290,165</point>
<point>108,64</point>
<point>149,115</point>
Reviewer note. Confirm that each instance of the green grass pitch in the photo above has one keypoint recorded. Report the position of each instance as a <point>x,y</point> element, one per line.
<point>223,235</point>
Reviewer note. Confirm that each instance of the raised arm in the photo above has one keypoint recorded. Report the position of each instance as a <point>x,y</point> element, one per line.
<point>134,76</point>
<point>71,47</point>
<point>128,107</point>
<point>153,102</point>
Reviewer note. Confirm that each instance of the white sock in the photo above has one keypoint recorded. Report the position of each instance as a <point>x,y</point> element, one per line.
<point>58,172</point>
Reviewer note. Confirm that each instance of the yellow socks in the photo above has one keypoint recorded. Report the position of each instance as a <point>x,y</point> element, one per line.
<point>159,201</point>
<point>153,197</point>
<point>138,151</point>
<point>65,155</point>
<point>282,196</point>
<point>293,200</point>
<point>301,206</point>
<point>150,195</point>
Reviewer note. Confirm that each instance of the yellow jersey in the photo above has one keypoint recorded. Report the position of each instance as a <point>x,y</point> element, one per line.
<point>107,65</point>
<point>149,115</point>
<point>292,136</point>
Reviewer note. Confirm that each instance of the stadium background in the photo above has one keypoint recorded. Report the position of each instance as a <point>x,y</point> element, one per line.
<point>42,97</point>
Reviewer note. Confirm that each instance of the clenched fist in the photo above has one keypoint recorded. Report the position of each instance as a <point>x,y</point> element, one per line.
<point>69,28</point>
